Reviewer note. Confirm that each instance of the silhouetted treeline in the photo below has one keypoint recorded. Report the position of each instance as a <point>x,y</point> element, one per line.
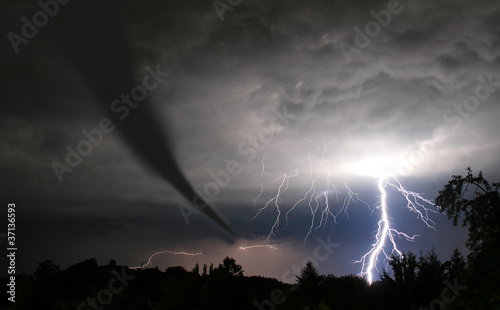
<point>410,283</point>
<point>89,286</point>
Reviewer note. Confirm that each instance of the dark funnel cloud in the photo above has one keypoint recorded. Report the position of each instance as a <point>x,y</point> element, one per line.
<point>92,37</point>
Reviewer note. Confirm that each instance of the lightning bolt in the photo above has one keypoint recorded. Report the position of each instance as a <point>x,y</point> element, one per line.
<point>302,188</point>
<point>261,183</point>
<point>318,202</point>
<point>385,232</point>
<point>258,246</point>
<point>282,188</point>
<point>148,262</point>
<point>351,197</point>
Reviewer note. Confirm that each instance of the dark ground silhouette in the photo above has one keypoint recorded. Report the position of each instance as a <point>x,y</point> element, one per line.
<point>410,283</point>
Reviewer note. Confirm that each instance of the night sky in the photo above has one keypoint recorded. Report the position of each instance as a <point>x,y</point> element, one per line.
<point>335,92</point>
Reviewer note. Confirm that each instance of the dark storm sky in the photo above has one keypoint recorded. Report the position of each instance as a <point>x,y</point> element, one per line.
<point>274,81</point>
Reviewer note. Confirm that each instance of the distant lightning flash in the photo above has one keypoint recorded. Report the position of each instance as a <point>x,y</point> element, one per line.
<point>385,232</point>
<point>148,262</point>
<point>257,246</point>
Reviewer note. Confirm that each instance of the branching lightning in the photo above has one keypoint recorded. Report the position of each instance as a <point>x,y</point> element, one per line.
<point>282,188</point>
<point>315,193</point>
<point>319,186</point>
<point>261,183</point>
<point>415,203</point>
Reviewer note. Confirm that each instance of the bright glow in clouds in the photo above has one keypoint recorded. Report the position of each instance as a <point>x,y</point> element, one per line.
<point>376,167</point>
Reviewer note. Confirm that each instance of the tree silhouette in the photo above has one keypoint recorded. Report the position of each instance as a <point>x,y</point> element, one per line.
<point>229,268</point>
<point>196,269</point>
<point>404,269</point>
<point>308,282</point>
<point>46,268</point>
<point>308,274</point>
<point>456,266</point>
<point>429,278</point>
<point>225,287</point>
<point>479,211</point>
<point>476,202</point>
